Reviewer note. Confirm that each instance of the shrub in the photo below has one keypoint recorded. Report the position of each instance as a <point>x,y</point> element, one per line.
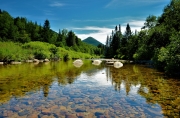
<point>66,57</point>
<point>12,51</point>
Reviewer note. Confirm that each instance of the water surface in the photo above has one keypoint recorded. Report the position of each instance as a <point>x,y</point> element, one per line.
<point>59,89</point>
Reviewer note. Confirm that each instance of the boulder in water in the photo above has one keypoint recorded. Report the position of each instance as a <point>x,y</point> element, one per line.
<point>78,63</point>
<point>118,64</point>
<point>96,62</point>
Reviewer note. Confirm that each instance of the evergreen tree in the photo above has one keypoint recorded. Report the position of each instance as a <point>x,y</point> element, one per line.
<point>115,44</point>
<point>6,21</point>
<point>116,29</point>
<point>120,29</point>
<point>112,33</point>
<point>78,41</point>
<point>46,32</point>
<point>71,39</point>
<point>107,41</point>
<point>128,32</point>
<point>107,46</point>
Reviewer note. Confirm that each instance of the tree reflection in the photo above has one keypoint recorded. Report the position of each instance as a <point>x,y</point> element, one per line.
<point>17,80</point>
<point>154,86</point>
<point>45,90</point>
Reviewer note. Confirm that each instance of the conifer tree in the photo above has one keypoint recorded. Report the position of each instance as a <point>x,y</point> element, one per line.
<point>46,31</point>
<point>119,28</point>
<point>128,32</point>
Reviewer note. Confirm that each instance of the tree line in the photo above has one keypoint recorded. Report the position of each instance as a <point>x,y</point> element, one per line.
<point>158,40</point>
<point>21,30</point>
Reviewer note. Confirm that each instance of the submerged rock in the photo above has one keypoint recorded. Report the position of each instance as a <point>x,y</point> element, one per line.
<point>80,110</point>
<point>98,113</point>
<point>22,113</point>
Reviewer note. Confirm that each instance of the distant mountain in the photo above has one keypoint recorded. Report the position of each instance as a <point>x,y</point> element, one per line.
<point>92,41</point>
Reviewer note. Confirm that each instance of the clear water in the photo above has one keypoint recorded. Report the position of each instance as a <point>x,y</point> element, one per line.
<point>61,90</point>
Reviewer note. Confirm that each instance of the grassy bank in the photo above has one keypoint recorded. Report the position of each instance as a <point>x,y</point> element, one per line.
<point>10,51</point>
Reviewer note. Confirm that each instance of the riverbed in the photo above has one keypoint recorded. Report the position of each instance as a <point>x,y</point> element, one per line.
<point>61,90</point>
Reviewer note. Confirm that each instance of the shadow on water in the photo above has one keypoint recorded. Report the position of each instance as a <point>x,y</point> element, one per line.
<point>132,84</point>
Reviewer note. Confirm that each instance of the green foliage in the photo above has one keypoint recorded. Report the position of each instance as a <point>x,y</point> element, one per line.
<point>12,51</point>
<point>151,21</point>
<point>21,30</point>
<point>113,44</point>
<point>70,41</point>
<point>15,51</point>
<point>66,57</point>
<point>158,41</point>
<point>168,58</point>
<point>132,46</point>
<point>41,55</point>
<point>128,32</point>
<point>55,53</point>
<point>46,33</point>
<point>41,50</point>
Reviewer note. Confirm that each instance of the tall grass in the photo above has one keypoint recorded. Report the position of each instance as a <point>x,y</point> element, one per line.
<point>40,50</point>
<point>12,51</point>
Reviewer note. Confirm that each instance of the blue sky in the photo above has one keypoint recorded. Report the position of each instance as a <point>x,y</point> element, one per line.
<point>96,18</point>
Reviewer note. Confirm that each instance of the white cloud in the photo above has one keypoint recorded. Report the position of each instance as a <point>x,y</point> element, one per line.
<point>56,4</point>
<point>97,78</point>
<point>114,3</point>
<point>99,33</point>
<point>134,24</point>
<point>100,20</point>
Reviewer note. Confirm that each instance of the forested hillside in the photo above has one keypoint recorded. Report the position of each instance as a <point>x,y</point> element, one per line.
<point>20,30</point>
<point>158,40</point>
<point>91,40</point>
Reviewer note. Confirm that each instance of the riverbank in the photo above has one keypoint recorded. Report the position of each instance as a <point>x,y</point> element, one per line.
<point>16,52</point>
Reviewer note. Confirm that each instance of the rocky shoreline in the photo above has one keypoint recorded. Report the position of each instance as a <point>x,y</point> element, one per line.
<point>27,61</point>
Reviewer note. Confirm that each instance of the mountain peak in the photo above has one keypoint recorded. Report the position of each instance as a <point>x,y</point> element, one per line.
<point>92,41</point>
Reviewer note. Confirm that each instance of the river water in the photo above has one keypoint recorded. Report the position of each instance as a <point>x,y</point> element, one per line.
<point>61,90</point>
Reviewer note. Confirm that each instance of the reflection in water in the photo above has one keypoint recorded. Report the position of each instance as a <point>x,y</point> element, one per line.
<point>152,85</point>
<point>59,89</point>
